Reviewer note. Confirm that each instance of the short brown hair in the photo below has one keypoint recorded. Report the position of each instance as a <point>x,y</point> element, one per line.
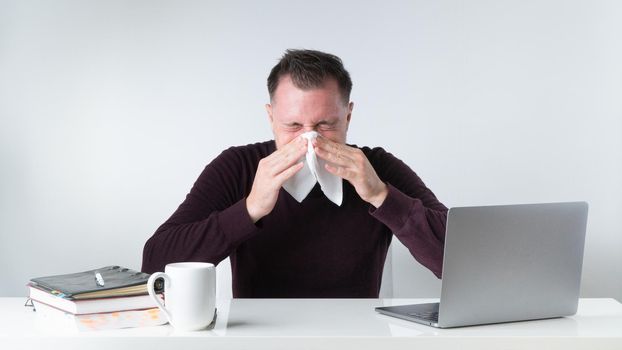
<point>308,69</point>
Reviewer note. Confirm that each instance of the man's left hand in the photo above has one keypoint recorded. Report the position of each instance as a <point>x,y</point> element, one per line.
<point>351,164</point>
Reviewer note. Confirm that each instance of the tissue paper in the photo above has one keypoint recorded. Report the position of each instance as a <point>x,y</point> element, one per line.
<point>313,171</point>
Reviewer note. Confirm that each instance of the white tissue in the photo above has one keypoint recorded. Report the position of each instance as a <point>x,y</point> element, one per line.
<point>313,171</point>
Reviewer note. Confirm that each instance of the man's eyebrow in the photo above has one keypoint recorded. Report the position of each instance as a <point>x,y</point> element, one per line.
<point>329,120</point>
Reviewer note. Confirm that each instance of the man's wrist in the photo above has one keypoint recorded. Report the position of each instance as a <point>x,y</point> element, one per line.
<point>378,199</point>
<point>254,214</point>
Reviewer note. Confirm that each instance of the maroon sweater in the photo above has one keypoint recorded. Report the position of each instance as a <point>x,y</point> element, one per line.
<point>301,250</point>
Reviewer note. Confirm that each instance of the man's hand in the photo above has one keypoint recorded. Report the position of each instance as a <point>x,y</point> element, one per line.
<point>272,172</point>
<point>351,164</point>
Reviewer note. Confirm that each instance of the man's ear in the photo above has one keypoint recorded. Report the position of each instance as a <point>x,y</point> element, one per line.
<point>349,116</point>
<point>269,110</point>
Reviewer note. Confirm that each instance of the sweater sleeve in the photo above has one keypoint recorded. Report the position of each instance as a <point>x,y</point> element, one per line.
<point>412,212</point>
<point>210,223</point>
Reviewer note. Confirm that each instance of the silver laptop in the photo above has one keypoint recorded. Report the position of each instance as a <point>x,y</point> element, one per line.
<point>506,263</point>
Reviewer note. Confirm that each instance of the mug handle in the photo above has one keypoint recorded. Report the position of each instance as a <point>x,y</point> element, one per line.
<point>152,293</point>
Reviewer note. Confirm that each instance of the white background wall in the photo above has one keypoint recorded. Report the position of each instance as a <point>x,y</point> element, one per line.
<point>109,110</point>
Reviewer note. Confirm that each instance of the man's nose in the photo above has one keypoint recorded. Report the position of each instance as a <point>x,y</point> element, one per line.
<point>308,128</point>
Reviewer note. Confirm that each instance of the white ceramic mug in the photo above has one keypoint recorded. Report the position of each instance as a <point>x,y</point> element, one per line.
<point>189,294</point>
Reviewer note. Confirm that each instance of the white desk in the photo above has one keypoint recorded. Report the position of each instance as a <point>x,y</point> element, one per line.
<point>329,323</point>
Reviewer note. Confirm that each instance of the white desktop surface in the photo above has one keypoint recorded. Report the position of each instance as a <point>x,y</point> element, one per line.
<point>323,323</point>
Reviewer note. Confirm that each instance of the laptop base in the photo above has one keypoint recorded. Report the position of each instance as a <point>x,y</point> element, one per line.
<point>426,314</point>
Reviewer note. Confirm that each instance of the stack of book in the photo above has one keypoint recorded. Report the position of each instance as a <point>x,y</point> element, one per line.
<point>107,298</point>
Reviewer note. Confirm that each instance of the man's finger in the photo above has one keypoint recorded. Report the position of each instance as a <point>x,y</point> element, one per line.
<point>289,172</point>
<point>331,146</point>
<point>286,156</point>
<point>342,172</point>
<point>292,154</point>
<point>335,151</point>
<point>339,159</point>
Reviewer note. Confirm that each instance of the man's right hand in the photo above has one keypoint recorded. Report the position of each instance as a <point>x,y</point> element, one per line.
<point>272,172</point>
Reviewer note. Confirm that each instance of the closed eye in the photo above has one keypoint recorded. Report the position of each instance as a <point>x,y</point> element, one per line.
<point>293,126</point>
<point>326,125</point>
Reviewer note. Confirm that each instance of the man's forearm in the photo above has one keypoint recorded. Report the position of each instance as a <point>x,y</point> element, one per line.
<point>210,240</point>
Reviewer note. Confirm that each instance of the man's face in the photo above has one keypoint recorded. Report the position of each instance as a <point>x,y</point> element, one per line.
<point>294,111</point>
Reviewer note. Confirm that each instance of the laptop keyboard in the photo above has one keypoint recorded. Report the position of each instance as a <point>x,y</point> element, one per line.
<point>426,315</point>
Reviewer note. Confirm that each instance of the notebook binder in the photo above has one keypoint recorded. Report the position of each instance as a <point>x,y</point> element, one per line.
<point>112,281</point>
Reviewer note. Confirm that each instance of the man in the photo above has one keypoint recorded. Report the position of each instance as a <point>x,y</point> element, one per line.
<point>282,248</point>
